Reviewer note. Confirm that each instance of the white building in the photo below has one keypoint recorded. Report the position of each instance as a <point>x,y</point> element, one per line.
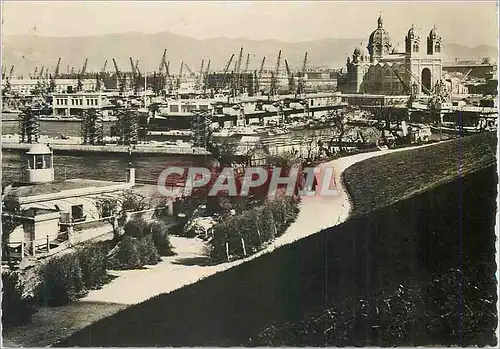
<point>26,86</point>
<point>68,104</point>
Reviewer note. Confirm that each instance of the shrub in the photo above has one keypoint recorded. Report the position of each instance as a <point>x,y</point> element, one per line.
<point>136,227</point>
<point>62,281</point>
<point>126,255</point>
<point>255,227</point>
<point>93,263</point>
<point>159,232</point>
<point>16,309</point>
<point>133,253</point>
<point>148,253</point>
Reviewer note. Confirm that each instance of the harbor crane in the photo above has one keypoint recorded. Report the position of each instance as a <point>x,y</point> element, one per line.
<point>11,72</point>
<point>200,77</point>
<point>274,76</point>
<point>223,82</point>
<point>132,66</point>
<point>135,75</point>
<point>205,78</point>
<point>52,85</point>
<point>40,76</point>
<point>259,75</point>
<point>162,62</point>
<point>33,76</point>
<point>238,71</point>
<point>56,72</point>
<point>79,85</point>
<point>168,78</point>
<point>247,63</point>
<point>178,84</point>
<point>189,70</point>
<point>103,70</point>
<point>120,78</point>
<point>291,81</point>
<point>301,80</point>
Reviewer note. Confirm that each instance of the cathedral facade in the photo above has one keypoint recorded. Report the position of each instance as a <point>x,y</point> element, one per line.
<point>380,68</point>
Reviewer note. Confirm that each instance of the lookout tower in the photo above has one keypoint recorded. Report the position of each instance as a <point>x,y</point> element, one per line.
<point>40,164</point>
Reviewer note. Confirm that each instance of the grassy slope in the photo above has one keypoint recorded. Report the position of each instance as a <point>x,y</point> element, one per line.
<point>383,180</point>
<point>410,242</point>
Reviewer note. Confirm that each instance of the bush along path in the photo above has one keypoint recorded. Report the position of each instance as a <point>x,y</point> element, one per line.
<point>243,235</point>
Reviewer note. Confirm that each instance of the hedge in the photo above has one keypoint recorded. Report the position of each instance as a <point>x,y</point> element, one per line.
<point>133,253</point>
<point>17,309</point>
<point>61,281</point>
<point>159,232</point>
<point>93,262</point>
<point>245,234</point>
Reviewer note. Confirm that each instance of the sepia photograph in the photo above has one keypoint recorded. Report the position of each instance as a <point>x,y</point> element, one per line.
<point>249,173</point>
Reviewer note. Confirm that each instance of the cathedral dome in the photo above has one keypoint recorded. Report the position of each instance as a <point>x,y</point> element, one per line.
<point>379,42</point>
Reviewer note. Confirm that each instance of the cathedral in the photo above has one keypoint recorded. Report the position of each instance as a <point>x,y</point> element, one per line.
<point>380,68</point>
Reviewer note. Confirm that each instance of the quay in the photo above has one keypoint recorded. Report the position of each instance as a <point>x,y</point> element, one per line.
<point>113,149</point>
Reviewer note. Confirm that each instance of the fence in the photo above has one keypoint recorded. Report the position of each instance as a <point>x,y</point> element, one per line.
<point>20,175</point>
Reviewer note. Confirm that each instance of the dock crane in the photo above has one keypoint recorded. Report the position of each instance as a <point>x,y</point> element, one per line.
<point>237,75</point>
<point>33,76</point>
<point>247,63</point>
<point>52,85</point>
<point>259,75</point>
<point>189,70</point>
<point>132,66</point>
<point>79,85</point>
<point>137,67</point>
<point>56,72</point>
<point>301,80</point>
<point>119,77</point>
<point>134,75</point>
<point>200,77</point>
<point>291,81</point>
<point>274,76</point>
<point>205,78</point>
<point>178,84</point>
<point>223,82</point>
<point>11,72</point>
<point>40,76</point>
<point>162,62</point>
<point>168,79</point>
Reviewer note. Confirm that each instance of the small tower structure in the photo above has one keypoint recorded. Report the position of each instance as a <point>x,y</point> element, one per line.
<point>40,164</point>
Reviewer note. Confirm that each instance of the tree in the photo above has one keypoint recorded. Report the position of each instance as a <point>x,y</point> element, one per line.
<point>10,221</point>
<point>114,208</point>
<point>52,84</point>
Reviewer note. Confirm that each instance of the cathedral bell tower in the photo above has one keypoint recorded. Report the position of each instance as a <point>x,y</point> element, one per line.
<point>412,42</point>
<point>433,42</point>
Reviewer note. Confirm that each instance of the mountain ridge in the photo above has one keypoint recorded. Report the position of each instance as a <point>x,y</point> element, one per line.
<point>26,51</point>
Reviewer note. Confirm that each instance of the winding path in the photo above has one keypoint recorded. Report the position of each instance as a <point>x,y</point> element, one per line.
<point>316,213</point>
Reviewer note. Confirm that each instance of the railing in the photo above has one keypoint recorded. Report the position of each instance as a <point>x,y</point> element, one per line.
<point>19,174</point>
<point>36,246</point>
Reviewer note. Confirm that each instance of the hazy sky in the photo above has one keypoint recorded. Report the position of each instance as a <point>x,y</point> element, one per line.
<point>469,23</point>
